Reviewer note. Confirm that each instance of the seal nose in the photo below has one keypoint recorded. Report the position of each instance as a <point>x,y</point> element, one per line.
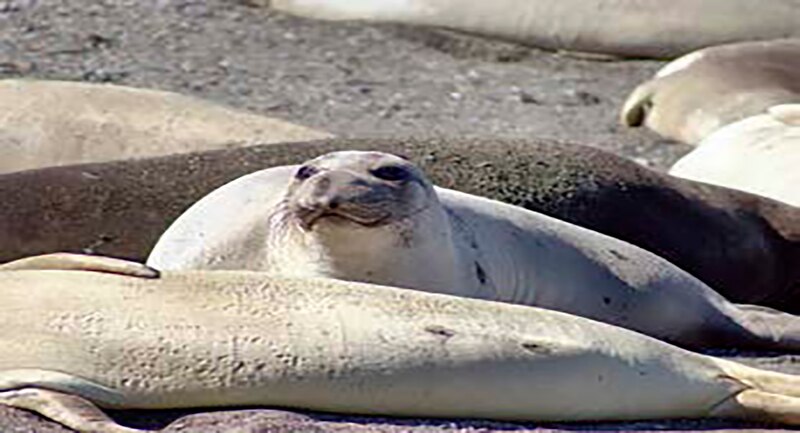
<point>321,185</point>
<point>324,192</point>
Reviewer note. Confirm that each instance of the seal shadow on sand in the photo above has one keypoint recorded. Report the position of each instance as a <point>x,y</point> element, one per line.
<point>310,421</point>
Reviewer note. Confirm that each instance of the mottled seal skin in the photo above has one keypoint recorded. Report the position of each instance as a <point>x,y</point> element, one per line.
<point>627,28</point>
<point>702,91</point>
<point>77,341</point>
<point>376,218</point>
<point>742,245</point>
<point>759,154</point>
<point>50,123</point>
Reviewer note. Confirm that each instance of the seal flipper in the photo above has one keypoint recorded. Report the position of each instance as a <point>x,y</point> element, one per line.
<point>68,410</point>
<point>786,113</point>
<point>755,405</point>
<point>81,262</point>
<point>767,396</point>
<point>774,329</point>
<point>635,109</point>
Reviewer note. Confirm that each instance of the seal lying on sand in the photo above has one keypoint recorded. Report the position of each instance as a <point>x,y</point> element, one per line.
<point>376,218</point>
<point>73,341</point>
<point>742,245</point>
<point>630,28</point>
<point>48,123</point>
<point>760,154</point>
<point>707,89</point>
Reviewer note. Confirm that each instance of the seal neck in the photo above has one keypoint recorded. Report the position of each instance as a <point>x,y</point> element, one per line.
<point>415,252</point>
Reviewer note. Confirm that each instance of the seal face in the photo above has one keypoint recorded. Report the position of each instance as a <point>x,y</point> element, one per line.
<point>358,216</point>
<point>365,188</point>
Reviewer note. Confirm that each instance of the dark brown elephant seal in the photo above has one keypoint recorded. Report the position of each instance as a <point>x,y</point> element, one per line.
<point>744,246</point>
<point>702,91</point>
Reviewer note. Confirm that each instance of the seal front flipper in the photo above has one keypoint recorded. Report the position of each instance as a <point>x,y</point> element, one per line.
<point>81,262</point>
<point>635,109</point>
<point>68,410</point>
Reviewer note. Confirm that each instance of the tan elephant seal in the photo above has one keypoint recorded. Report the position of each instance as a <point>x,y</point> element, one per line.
<point>74,341</point>
<point>742,245</point>
<point>374,217</point>
<point>707,89</point>
<point>760,154</point>
<point>629,28</point>
<point>50,123</point>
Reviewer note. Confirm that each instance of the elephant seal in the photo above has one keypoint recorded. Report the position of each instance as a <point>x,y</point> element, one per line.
<point>760,154</point>
<point>742,245</point>
<point>376,218</point>
<point>75,341</point>
<point>51,123</point>
<point>629,28</point>
<point>700,92</point>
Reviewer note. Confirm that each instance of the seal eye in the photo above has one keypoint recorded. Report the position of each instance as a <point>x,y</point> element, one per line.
<point>305,172</point>
<point>392,173</point>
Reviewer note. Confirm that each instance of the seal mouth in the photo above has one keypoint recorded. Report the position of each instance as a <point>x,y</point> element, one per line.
<point>308,217</point>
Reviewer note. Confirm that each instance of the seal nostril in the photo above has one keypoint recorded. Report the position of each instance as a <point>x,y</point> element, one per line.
<point>321,186</point>
<point>333,204</point>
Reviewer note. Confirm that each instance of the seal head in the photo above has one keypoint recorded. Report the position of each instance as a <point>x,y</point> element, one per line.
<point>362,216</point>
<point>365,188</point>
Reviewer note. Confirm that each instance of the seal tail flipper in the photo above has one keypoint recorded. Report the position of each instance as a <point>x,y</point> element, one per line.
<point>634,110</point>
<point>68,410</point>
<point>755,405</point>
<point>81,262</point>
<point>786,113</point>
<point>771,382</point>
<point>774,330</point>
<point>768,396</point>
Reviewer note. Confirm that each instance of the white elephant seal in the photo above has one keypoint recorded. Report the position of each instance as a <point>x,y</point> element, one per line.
<point>53,123</point>
<point>760,154</point>
<point>74,341</point>
<point>630,28</point>
<point>374,217</point>
<point>700,92</point>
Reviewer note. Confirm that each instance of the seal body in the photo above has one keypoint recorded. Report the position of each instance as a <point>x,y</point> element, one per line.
<point>373,217</point>
<point>702,91</point>
<point>220,339</point>
<point>631,28</point>
<point>49,123</point>
<point>760,154</point>
<point>744,246</point>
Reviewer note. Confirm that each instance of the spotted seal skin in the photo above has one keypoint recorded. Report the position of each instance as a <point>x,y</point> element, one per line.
<point>626,28</point>
<point>744,246</point>
<point>375,217</point>
<point>759,154</point>
<point>77,341</point>
<point>695,95</point>
<point>50,123</point>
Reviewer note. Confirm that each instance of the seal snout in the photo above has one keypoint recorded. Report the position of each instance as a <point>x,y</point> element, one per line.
<point>337,193</point>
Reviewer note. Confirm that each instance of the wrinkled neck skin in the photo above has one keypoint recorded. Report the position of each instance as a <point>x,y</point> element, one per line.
<point>415,252</point>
